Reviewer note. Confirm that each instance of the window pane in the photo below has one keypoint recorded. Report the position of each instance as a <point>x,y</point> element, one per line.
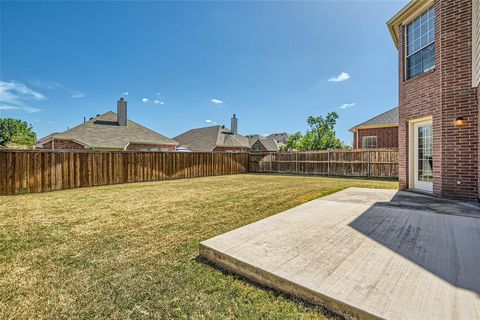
<point>425,155</point>
<point>369,142</point>
<point>420,45</point>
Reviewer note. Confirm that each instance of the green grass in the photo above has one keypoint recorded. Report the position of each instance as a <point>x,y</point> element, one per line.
<point>129,251</point>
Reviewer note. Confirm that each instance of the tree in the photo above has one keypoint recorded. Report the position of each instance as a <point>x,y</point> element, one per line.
<point>17,132</point>
<point>320,136</point>
<point>294,142</point>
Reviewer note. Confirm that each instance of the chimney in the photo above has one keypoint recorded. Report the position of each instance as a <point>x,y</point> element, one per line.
<point>122,112</point>
<point>234,125</point>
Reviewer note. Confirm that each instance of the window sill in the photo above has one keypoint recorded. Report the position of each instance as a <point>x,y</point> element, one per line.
<point>420,76</point>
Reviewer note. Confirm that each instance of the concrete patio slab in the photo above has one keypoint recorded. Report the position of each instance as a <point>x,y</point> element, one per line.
<point>365,252</point>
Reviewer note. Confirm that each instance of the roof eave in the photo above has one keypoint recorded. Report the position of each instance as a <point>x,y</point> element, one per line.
<point>151,142</point>
<point>378,126</point>
<point>405,15</point>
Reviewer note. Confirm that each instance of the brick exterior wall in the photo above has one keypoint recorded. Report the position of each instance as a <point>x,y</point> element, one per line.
<point>63,144</point>
<point>444,94</point>
<point>139,147</point>
<point>386,137</point>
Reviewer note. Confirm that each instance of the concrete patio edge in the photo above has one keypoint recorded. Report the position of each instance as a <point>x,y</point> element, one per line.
<point>272,281</point>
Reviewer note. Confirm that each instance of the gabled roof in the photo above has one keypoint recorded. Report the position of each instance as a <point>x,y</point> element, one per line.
<point>406,15</point>
<point>207,138</point>
<point>103,131</point>
<point>279,136</point>
<point>270,144</point>
<point>388,118</point>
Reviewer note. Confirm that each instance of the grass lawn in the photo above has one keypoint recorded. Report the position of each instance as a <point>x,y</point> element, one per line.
<point>129,251</point>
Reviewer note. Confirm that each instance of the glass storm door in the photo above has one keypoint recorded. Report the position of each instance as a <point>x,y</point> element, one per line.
<point>423,156</point>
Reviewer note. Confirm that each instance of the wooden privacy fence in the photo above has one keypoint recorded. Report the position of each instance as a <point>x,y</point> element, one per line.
<point>380,163</point>
<point>40,171</point>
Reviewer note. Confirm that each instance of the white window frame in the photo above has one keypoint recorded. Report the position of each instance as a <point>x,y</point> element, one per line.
<point>369,137</point>
<point>405,36</point>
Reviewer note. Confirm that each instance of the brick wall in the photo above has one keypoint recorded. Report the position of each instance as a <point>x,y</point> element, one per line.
<point>419,98</point>
<point>445,94</point>
<point>386,137</point>
<point>63,144</point>
<point>460,153</point>
<point>135,146</point>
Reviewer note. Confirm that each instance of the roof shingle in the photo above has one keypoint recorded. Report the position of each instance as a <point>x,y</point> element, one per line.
<point>389,117</point>
<point>207,138</point>
<point>103,131</point>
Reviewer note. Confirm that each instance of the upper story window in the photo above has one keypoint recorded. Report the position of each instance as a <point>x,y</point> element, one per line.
<point>369,142</point>
<point>420,44</point>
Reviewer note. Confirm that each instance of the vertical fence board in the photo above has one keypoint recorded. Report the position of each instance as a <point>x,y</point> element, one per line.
<point>379,163</point>
<point>49,170</point>
<point>40,171</point>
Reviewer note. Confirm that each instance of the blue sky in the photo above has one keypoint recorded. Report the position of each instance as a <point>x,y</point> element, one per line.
<point>186,63</point>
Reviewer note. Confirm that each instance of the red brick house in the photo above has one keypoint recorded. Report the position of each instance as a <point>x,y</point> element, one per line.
<point>439,69</point>
<point>378,132</point>
<point>109,131</point>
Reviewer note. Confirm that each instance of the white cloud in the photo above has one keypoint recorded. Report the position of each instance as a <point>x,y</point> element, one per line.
<point>15,95</point>
<point>158,102</point>
<point>347,105</point>
<point>145,100</point>
<point>210,121</point>
<point>341,77</point>
<point>31,109</point>
<point>124,93</point>
<point>158,94</point>
<point>78,95</point>
<point>216,101</point>
<point>13,91</point>
<point>3,107</point>
<point>26,109</point>
<point>56,85</point>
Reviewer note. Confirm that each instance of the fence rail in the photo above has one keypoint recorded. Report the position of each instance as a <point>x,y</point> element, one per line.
<point>41,171</point>
<point>380,163</point>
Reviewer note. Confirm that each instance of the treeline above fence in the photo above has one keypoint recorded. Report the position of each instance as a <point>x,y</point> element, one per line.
<point>41,171</point>
<point>380,163</point>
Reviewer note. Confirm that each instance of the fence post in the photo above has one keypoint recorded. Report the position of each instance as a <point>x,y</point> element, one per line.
<point>328,163</point>
<point>271,157</point>
<point>296,162</point>
<point>368,162</point>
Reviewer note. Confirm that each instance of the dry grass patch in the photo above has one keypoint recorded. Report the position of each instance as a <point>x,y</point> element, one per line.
<point>128,251</point>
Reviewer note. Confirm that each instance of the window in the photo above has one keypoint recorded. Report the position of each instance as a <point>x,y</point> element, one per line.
<point>256,147</point>
<point>369,142</point>
<point>420,44</point>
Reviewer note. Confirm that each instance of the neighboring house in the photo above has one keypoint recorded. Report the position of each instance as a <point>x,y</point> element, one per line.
<point>439,61</point>
<point>109,131</point>
<point>378,132</point>
<point>259,143</point>
<point>214,139</point>
<point>280,137</point>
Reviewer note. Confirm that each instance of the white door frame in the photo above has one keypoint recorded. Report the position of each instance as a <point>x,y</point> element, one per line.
<point>413,156</point>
